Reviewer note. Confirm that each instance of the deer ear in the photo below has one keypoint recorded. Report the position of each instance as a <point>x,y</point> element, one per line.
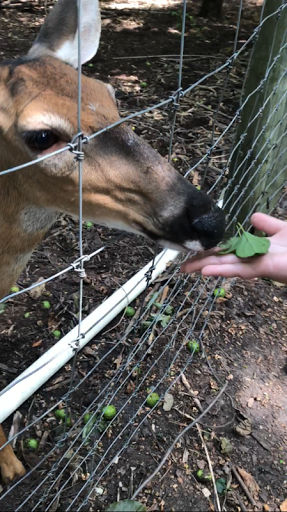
<point>59,35</point>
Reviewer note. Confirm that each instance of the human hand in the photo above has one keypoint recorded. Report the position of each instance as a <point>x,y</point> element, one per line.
<point>272,265</point>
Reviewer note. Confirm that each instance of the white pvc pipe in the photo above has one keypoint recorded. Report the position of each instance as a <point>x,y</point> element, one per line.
<point>49,363</point>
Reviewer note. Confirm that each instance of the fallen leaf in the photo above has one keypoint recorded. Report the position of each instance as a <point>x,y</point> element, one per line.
<point>225,446</point>
<point>206,492</point>
<point>283,506</point>
<point>130,387</point>
<point>58,379</point>
<point>98,490</point>
<point>195,179</point>
<point>89,352</point>
<point>35,293</point>
<point>220,300</point>
<point>249,481</point>
<point>250,402</point>
<point>118,361</point>
<point>213,384</point>
<point>15,428</point>
<point>168,402</point>
<point>53,322</point>
<point>244,428</point>
<point>37,343</point>
<point>127,506</point>
<point>9,331</point>
<point>279,285</point>
<point>201,464</point>
<point>221,485</point>
<point>185,456</point>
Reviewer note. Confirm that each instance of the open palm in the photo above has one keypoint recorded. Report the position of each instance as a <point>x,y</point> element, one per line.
<point>272,265</point>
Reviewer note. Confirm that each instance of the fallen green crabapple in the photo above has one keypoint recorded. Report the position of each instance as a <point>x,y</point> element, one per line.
<point>193,346</point>
<point>109,412</point>
<point>32,444</point>
<point>152,400</point>
<point>46,304</point>
<point>60,414</point>
<point>219,292</point>
<point>129,311</point>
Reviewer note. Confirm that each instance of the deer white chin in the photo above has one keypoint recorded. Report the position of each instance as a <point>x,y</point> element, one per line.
<point>194,246</point>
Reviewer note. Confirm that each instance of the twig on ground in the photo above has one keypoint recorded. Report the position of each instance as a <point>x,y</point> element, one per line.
<point>114,326</point>
<point>168,469</point>
<point>240,481</point>
<point>15,428</point>
<point>169,451</point>
<point>241,504</point>
<point>227,489</point>
<point>191,393</point>
<point>210,467</point>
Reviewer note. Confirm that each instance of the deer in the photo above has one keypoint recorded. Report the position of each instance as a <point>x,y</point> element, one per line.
<point>126,184</point>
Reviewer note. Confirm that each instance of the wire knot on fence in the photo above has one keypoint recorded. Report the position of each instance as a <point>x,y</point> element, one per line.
<point>175,98</point>
<point>77,141</point>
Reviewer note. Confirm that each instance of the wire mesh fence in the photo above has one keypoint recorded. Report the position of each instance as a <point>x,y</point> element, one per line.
<point>149,353</point>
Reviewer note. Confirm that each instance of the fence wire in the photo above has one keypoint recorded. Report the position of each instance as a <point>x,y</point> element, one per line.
<point>150,350</point>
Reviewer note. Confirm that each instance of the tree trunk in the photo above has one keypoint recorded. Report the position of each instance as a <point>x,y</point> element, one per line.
<point>258,167</point>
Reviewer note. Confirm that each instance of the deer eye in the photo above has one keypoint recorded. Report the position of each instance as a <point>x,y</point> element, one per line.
<point>40,140</point>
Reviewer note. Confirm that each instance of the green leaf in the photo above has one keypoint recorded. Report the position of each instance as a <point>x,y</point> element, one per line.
<point>102,426</point>
<point>221,485</point>
<point>229,246</point>
<point>152,300</point>
<point>144,326</point>
<point>226,446</point>
<point>249,245</point>
<point>245,245</point>
<point>164,320</point>
<point>168,310</point>
<point>89,426</point>
<point>126,506</point>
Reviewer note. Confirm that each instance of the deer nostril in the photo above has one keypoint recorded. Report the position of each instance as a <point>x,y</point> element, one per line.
<point>210,227</point>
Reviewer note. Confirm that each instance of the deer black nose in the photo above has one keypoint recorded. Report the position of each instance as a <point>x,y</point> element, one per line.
<point>210,227</point>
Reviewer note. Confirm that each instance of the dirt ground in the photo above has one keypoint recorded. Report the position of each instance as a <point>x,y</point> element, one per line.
<point>243,343</point>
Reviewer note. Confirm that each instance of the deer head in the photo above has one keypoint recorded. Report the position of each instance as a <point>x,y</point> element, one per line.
<point>126,184</point>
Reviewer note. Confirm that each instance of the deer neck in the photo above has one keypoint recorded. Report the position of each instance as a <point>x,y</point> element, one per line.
<point>23,225</point>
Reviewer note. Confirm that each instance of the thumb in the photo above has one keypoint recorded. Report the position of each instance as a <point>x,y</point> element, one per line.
<point>266,223</point>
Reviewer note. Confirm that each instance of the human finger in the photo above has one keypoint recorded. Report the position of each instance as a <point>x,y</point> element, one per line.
<point>266,223</point>
<point>194,265</point>
<point>230,270</point>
